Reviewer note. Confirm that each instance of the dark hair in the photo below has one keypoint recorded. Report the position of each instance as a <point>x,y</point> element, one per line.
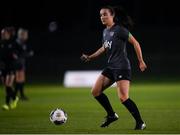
<point>120,16</point>
<point>11,30</point>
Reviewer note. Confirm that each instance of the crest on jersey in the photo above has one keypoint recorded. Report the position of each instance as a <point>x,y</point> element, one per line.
<point>111,33</point>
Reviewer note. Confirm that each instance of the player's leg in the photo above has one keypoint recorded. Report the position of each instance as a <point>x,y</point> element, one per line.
<point>123,94</point>
<point>97,91</point>
<point>9,81</point>
<point>19,85</point>
<point>7,97</point>
<point>17,82</point>
<point>9,91</point>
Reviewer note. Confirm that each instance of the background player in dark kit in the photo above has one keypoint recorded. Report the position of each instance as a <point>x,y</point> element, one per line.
<point>118,69</point>
<point>23,51</point>
<point>8,57</point>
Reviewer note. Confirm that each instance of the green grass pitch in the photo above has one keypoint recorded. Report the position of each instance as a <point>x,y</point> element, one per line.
<point>158,103</point>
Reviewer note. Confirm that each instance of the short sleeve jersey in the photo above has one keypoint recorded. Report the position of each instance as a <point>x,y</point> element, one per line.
<point>21,49</point>
<point>114,41</point>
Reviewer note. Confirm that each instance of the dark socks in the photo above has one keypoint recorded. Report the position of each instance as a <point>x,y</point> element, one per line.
<point>19,87</point>
<point>131,106</point>
<point>9,95</point>
<point>7,100</point>
<point>104,101</point>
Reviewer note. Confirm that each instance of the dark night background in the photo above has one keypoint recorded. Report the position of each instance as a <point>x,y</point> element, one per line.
<point>157,27</point>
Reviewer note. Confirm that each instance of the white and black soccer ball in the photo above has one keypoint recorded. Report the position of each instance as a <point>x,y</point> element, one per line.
<point>58,116</point>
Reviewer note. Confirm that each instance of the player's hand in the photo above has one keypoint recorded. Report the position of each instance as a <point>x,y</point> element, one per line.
<point>85,58</point>
<point>142,66</point>
<point>15,57</point>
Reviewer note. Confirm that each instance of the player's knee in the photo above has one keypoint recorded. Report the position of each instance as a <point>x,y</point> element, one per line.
<point>124,98</point>
<point>95,92</point>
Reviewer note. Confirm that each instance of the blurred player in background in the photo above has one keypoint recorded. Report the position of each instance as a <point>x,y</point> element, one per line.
<point>118,69</point>
<point>23,52</point>
<point>8,56</point>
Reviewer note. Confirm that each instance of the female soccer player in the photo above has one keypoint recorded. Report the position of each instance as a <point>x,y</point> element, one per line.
<point>118,69</point>
<point>8,57</point>
<point>22,52</point>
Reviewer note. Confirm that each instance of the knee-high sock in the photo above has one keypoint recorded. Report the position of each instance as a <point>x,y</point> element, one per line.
<point>104,101</point>
<point>19,86</point>
<point>131,106</point>
<point>9,94</point>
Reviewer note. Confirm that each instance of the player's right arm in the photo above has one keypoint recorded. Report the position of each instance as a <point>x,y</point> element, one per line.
<point>93,56</point>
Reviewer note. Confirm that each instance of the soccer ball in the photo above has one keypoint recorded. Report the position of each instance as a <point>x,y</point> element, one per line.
<point>58,116</point>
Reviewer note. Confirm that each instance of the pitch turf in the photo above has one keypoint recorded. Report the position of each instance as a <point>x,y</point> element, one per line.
<point>158,103</point>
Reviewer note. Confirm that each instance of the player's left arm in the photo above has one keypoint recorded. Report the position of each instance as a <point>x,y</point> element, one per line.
<point>137,47</point>
<point>28,51</point>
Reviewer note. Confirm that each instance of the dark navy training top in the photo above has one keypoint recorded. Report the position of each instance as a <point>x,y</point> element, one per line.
<point>114,41</point>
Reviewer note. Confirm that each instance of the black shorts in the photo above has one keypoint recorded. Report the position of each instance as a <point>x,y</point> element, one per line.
<point>117,74</point>
<point>19,64</point>
<point>8,69</point>
<point>6,72</point>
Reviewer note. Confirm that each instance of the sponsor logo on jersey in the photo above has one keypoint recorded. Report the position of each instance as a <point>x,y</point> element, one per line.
<point>107,44</point>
